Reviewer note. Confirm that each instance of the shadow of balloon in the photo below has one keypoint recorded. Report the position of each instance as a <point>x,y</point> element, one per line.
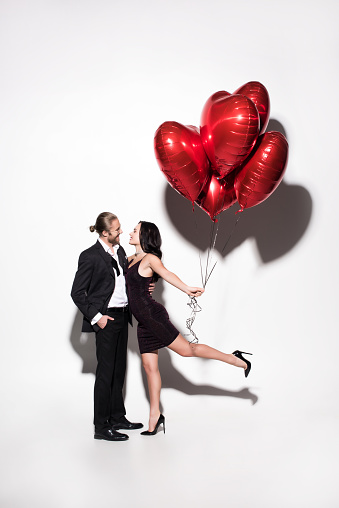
<point>277,224</point>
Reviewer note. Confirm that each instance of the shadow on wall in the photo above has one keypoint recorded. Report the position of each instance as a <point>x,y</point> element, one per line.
<point>84,345</point>
<point>277,224</point>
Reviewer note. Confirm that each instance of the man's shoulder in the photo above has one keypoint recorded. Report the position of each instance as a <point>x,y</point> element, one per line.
<point>92,250</point>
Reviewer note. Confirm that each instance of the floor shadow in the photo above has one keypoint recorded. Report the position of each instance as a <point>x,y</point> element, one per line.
<point>277,224</point>
<point>172,378</point>
<point>84,345</point>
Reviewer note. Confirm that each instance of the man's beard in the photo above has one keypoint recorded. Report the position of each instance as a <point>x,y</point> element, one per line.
<point>113,241</point>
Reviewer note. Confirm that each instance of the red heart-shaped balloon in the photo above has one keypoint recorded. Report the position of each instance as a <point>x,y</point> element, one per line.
<point>259,95</point>
<point>181,157</point>
<point>214,98</point>
<point>217,195</point>
<point>261,174</point>
<point>229,130</point>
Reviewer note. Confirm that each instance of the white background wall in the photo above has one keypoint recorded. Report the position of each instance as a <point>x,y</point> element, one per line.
<point>84,86</point>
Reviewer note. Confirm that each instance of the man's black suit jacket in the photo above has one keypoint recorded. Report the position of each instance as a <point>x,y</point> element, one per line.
<point>94,283</point>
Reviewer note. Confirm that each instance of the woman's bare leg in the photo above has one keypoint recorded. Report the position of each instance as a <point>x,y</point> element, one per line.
<point>184,348</point>
<point>150,364</point>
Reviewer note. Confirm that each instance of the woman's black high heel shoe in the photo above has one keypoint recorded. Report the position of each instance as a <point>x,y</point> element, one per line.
<point>160,421</point>
<point>239,354</point>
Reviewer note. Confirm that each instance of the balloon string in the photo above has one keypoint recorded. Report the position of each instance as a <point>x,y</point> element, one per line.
<point>208,276</point>
<point>216,234</point>
<point>196,227</point>
<point>235,225</point>
<point>213,238</point>
<point>224,247</point>
<point>195,307</point>
<point>208,252</point>
<point>212,247</point>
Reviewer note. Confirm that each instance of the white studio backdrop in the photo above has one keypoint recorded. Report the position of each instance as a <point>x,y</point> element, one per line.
<point>84,87</point>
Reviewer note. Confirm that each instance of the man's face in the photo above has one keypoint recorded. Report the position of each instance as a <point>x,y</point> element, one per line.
<point>113,235</point>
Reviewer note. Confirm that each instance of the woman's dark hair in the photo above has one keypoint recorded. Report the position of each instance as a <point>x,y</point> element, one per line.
<point>150,241</point>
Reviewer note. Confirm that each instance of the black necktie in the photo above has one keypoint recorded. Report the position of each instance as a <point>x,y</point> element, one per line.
<point>115,265</point>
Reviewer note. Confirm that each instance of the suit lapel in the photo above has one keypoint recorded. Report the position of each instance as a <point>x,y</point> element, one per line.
<point>106,257</point>
<point>122,259</point>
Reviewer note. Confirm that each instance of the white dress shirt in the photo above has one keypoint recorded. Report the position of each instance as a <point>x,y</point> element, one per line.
<point>119,296</point>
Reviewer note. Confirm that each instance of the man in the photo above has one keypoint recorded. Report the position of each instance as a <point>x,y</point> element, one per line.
<point>99,291</point>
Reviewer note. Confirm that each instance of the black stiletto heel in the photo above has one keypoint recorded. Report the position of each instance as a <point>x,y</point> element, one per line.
<point>160,421</point>
<point>239,354</point>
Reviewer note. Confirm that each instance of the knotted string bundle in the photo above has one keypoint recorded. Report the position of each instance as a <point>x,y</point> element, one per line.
<point>195,307</point>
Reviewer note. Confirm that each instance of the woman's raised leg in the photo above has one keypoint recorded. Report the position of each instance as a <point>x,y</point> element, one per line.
<point>150,364</point>
<point>184,348</point>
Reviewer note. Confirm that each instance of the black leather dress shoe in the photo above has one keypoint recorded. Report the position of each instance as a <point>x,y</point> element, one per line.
<point>123,423</point>
<point>110,435</point>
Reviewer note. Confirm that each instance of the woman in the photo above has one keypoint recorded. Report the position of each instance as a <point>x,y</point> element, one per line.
<point>155,329</point>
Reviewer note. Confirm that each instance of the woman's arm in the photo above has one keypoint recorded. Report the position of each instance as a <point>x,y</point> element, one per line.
<point>156,265</point>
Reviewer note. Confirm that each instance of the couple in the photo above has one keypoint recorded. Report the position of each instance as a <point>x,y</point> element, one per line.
<point>99,291</point>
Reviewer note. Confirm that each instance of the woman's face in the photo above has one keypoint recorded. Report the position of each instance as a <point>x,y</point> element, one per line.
<point>134,236</point>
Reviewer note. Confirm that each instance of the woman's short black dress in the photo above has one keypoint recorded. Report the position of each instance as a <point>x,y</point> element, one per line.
<point>154,327</point>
